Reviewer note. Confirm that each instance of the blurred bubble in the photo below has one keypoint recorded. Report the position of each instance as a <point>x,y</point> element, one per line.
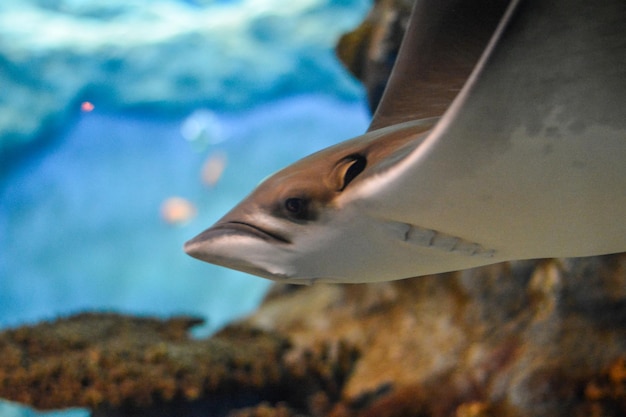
<point>202,128</point>
<point>213,168</point>
<point>87,106</point>
<point>177,210</point>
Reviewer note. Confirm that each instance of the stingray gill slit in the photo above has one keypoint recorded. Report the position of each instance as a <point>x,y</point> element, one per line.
<point>434,239</point>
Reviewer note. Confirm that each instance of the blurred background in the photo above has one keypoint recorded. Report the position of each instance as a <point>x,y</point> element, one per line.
<point>129,126</point>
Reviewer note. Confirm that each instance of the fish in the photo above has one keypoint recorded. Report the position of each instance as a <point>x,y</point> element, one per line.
<point>501,135</point>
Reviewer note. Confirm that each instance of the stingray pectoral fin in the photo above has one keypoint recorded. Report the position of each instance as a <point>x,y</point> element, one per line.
<point>529,158</point>
<point>441,46</point>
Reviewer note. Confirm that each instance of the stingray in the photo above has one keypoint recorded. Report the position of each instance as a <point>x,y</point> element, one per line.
<point>501,135</point>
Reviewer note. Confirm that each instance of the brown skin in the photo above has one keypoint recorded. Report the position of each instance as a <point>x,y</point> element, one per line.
<point>294,194</point>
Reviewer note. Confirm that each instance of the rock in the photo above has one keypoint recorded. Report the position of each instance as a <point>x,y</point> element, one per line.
<point>519,339</point>
<point>265,410</point>
<point>532,339</point>
<point>370,50</point>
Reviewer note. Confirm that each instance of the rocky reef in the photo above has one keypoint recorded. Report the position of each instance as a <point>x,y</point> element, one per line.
<point>533,338</point>
<point>540,338</point>
<point>122,366</point>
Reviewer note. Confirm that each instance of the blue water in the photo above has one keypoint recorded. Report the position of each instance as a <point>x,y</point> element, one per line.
<point>81,227</point>
<point>80,223</point>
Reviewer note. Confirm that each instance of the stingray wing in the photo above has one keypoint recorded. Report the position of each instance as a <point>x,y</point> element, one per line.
<point>530,157</point>
<point>441,46</point>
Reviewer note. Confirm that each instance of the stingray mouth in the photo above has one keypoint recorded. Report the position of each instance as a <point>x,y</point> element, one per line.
<point>249,229</point>
<point>238,245</point>
<point>240,228</point>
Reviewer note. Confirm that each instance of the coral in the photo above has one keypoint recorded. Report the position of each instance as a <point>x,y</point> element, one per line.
<point>536,338</point>
<point>117,365</point>
<point>94,360</point>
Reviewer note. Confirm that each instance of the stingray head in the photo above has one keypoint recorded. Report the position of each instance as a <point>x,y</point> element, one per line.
<point>305,222</point>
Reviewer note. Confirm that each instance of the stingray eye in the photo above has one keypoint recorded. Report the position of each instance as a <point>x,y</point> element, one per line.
<point>353,166</point>
<point>297,208</point>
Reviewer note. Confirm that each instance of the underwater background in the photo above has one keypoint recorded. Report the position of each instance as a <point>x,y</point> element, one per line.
<point>127,127</point>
